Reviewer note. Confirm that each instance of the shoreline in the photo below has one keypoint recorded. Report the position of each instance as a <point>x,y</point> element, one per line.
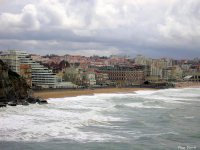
<point>46,94</point>
<point>61,93</point>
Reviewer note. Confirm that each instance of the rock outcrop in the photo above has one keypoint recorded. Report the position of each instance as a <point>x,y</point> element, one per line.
<point>13,88</point>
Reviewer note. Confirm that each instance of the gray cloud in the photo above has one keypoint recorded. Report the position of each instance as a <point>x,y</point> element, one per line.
<point>154,28</point>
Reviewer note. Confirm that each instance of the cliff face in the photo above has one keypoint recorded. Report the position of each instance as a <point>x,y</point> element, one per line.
<point>12,86</point>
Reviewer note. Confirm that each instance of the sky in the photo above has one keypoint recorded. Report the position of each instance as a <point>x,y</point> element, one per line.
<point>154,28</point>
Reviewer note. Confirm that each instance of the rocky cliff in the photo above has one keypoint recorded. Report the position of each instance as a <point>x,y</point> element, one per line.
<point>12,86</point>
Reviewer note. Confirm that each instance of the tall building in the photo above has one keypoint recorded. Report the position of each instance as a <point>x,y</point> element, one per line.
<point>141,60</point>
<point>41,76</point>
<point>11,60</point>
<point>157,66</point>
<point>174,73</point>
<point>154,67</point>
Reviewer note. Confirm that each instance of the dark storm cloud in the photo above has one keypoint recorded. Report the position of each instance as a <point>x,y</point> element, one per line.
<point>149,27</point>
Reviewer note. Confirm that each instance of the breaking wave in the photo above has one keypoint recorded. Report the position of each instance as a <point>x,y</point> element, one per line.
<point>100,117</point>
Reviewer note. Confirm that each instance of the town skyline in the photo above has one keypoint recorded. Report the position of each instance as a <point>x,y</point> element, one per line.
<point>102,27</point>
<point>52,71</point>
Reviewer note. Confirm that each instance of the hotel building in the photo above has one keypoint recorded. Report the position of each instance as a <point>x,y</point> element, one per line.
<point>124,75</point>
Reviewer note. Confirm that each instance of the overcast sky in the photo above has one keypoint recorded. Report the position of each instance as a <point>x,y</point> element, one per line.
<point>154,28</point>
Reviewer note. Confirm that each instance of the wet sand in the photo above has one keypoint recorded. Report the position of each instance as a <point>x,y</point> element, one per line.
<point>77,92</point>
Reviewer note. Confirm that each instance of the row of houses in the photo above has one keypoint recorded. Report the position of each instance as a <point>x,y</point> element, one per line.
<point>169,70</point>
<point>39,76</point>
<point>116,75</point>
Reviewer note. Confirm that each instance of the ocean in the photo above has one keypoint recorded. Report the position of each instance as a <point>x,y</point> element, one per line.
<point>143,120</point>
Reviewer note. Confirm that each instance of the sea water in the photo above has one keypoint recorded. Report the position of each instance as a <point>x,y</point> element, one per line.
<point>150,120</point>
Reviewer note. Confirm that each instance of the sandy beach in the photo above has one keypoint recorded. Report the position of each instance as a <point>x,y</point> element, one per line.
<point>59,93</point>
<point>77,92</point>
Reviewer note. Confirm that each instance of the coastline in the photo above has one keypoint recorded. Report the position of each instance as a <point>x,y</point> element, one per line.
<point>78,92</point>
<point>61,93</point>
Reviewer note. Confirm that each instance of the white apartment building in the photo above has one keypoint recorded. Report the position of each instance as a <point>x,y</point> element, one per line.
<point>141,60</point>
<point>11,60</point>
<point>41,76</point>
<point>156,65</point>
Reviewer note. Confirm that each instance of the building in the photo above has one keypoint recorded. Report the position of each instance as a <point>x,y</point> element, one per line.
<point>141,60</point>
<point>102,78</point>
<point>186,67</point>
<point>157,66</point>
<point>90,78</point>
<point>72,74</point>
<point>174,73</point>
<point>66,85</point>
<point>124,75</point>
<point>193,77</point>
<point>26,73</point>
<point>11,60</point>
<point>42,77</point>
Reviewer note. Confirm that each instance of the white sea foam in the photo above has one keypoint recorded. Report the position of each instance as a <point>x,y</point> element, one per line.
<point>189,117</point>
<point>68,118</point>
<point>170,95</point>
<point>141,105</point>
<point>43,122</point>
<point>166,99</point>
<point>145,92</point>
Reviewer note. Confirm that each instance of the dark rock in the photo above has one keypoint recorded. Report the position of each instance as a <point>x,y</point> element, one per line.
<point>31,100</point>
<point>14,90</point>
<point>4,100</point>
<point>25,103</point>
<point>12,103</point>
<point>12,85</point>
<point>41,101</point>
<point>2,104</point>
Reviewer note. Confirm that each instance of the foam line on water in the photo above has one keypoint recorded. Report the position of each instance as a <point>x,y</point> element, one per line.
<point>141,105</point>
